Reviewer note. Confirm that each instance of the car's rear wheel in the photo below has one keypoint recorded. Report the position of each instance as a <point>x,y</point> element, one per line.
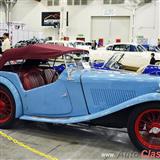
<point>7,108</point>
<point>144,127</point>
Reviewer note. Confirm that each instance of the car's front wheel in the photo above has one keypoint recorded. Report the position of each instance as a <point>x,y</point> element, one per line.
<point>7,108</point>
<point>144,127</point>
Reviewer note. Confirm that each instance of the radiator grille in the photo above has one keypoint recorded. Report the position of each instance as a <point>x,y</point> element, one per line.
<point>111,97</point>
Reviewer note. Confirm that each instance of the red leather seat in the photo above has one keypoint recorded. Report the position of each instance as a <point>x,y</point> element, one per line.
<point>50,75</point>
<point>31,79</point>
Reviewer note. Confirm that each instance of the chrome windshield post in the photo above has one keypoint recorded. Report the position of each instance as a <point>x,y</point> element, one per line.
<point>69,68</point>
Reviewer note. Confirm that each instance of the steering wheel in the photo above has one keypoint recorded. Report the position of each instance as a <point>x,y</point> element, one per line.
<point>117,65</point>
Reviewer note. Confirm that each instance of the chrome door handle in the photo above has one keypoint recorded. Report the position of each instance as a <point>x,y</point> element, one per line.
<point>64,95</point>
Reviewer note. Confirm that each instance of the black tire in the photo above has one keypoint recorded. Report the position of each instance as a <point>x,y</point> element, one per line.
<point>7,108</point>
<point>135,116</point>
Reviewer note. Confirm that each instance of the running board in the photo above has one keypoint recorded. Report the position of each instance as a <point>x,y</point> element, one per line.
<point>67,120</point>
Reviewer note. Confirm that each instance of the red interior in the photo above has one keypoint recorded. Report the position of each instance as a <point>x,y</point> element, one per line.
<point>36,77</point>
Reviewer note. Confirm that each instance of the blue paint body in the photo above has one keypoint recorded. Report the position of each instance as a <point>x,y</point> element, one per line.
<point>88,95</point>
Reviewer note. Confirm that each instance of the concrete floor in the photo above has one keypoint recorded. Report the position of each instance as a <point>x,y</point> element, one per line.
<point>66,142</point>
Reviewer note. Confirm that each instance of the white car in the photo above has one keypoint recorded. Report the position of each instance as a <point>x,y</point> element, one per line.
<point>126,47</point>
<point>79,44</point>
<point>73,43</point>
<point>60,43</point>
<point>136,56</point>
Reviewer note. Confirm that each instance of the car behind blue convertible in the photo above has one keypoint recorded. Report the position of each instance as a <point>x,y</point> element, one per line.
<point>31,90</point>
<point>114,64</point>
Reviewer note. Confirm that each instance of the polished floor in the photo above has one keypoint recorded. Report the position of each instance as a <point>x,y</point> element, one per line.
<point>73,142</point>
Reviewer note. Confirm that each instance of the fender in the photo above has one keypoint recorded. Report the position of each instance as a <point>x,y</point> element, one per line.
<point>151,97</point>
<point>4,81</point>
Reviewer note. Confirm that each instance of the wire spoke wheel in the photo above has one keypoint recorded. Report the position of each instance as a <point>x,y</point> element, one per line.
<point>144,126</point>
<point>7,108</point>
<point>147,128</point>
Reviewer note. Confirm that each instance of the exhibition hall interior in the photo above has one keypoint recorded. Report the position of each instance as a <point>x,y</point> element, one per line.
<point>79,79</point>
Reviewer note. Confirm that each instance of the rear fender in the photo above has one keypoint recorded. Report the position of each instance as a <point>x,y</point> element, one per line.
<point>8,84</point>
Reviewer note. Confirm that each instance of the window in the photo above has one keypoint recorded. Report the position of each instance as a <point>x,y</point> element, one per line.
<point>147,1</point>
<point>133,48</point>
<point>84,2</point>
<point>49,3</point>
<point>113,1</point>
<point>121,47</point>
<point>53,2</point>
<point>106,1</point>
<point>141,48</point>
<point>117,1</point>
<point>69,2</point>
<point>56,2</point>
<point>79,43</point>
<point>109,48</point>
<point>76,2</point>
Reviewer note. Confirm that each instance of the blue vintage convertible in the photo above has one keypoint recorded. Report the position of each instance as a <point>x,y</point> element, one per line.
<point>31,90</point>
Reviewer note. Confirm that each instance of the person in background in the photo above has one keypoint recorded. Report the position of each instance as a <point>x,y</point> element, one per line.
<point>94,45</point>
<point>153,61</point>
<point>6,42</point>
<point>1,40</point>
<point>159,43</point>
<point>100,44</point>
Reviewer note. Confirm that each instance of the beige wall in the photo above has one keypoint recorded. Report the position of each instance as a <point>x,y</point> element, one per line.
<point>147,21</point>
<point>29,12</point>
<point>2,13</point>
<point>158,18</point>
